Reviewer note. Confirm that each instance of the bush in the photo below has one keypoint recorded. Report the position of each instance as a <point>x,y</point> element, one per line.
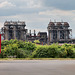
<point>45,52</point>
<point>22,49</point>
<point>16,48</point>
<point>70,52</point>
<point>36,41</point>
<point>3,54</point>
<point>11,49</point>
<point>40,52</point>
<point>66,51</point>
<point>62,53</point>
<point>21,54</point>
<point>29,46</point>
<point>4,43</point>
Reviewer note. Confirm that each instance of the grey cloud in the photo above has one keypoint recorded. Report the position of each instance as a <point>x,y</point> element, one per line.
<point>60,4</point>
<point>20,8</point>
<point>22,12</point>
<point>16,11</point>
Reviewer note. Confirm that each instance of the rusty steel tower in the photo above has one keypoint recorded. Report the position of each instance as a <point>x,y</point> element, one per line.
<point>59,32</point>
<point>14,30</point>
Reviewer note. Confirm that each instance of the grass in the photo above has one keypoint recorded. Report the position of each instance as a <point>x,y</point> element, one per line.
<point>37,59</point>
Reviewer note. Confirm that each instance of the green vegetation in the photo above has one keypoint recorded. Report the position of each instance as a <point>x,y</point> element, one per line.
<point>36,41</point>
<point>23,49</point>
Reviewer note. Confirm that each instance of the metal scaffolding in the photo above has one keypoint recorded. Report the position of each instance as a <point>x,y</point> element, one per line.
<point>14,30</point>
<point>59,32</point>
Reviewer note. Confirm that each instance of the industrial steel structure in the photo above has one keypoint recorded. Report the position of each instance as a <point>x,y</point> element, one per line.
<point>14,30</point>
<point>59,32</point>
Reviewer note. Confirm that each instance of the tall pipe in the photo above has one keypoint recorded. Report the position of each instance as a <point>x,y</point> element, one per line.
<point>30,32</point>
<point>34,33</point>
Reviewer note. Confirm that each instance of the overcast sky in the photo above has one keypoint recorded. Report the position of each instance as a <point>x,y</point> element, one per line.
<point>37,13</point>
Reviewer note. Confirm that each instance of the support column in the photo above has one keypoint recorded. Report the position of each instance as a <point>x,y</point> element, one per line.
<point>58,35</point>
<point>65,35</point>
<point>51,36</point>
<point>14,32</point>
<point>6,35</point>
<point>48,36</point>
<point>22,35</point>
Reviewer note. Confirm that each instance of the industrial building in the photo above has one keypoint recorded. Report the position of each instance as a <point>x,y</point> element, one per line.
<point>59,32</point>
<point>17,30</point>
<point>41,36</point>
<point>31,36</point>
<point>14,30</point>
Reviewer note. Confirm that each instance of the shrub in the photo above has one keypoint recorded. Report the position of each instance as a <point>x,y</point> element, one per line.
<point>16,48</point>
<point>21,54</point>
<point>22,49</point>
<point>45,52</point>
<point>36,41</point>
<point>62,53</point>
<point>29,46</point>
<point>70,52</point>
<point>40,52</point>
<point>4,43</point>
<point>3,54</point>
<point>66,50</point>
<point>10,50</point>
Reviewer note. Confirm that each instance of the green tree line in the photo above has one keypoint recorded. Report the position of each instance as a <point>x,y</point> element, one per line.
<point>22,49</point>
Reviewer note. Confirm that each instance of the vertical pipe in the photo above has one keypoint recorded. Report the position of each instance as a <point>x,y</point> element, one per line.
<point>34,33</point>
<point>48,36</point>
<point>30,32</point>
<point>14,32</point>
